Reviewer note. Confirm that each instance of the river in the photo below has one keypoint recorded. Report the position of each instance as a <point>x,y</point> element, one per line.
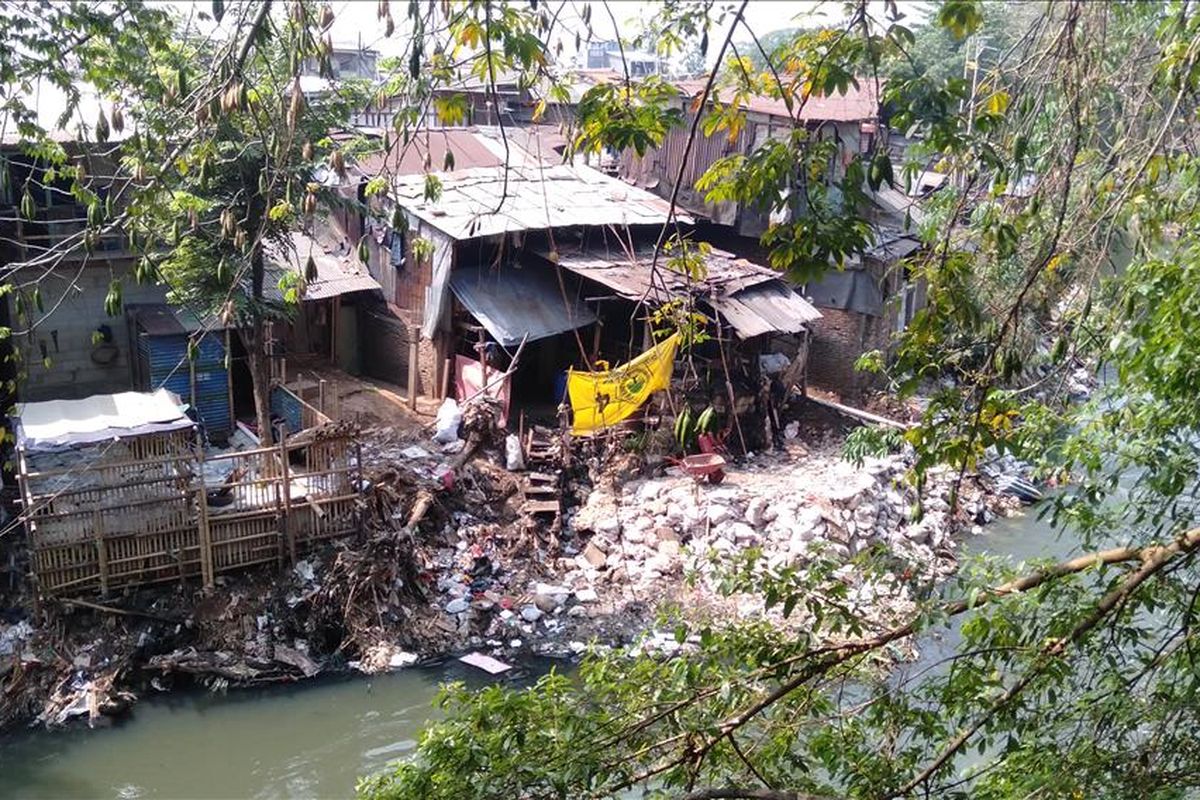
<point>311,740</point>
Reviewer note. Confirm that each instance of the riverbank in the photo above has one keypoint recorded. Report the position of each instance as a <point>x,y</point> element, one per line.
<point>457,566</point>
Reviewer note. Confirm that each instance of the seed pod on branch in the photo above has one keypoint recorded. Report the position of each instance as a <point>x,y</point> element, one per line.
<point>337,162</point>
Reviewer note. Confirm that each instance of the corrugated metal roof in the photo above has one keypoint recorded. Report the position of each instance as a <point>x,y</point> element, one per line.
<point>858,104</point>
<point>846,290</point>
<point>898,203</point>
<point>752,298</point>
<point>471,148</point>
<point>337,273</point>
<point>631,277</point>
<point>772,307</point>
<point>518,303</point>
<point>490,201</point>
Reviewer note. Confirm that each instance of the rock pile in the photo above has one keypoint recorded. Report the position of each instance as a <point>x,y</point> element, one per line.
<point>645,535</point>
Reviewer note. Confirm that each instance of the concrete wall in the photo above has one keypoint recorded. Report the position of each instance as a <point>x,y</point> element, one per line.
<point>73,299</point>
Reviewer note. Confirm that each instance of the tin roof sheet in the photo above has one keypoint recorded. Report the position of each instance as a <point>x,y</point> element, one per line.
<point>631,276</point>
<point>492,200</point>
<point>518,303</point>
<point>752,298</point>
<point>337,273</point>
<point>772,307</point>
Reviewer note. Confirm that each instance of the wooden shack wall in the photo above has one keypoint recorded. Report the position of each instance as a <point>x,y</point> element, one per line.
<point>147,520</point>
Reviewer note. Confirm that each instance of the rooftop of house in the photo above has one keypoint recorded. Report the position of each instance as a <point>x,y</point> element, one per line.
<point>753,299</point>
<point>859,103</point>
<point>339,271</point>
<point>469,148</point>
<point>491,200</point>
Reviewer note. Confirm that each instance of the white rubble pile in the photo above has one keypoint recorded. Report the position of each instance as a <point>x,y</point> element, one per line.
<point>654,531</point>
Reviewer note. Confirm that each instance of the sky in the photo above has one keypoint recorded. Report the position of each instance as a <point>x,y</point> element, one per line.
<point>356,20</point>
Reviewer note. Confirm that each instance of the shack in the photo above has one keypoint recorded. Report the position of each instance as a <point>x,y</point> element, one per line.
<point>162,337</point>
<point>117,491</point>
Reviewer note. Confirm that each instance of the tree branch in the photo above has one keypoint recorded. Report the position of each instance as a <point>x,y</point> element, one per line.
<point>734,793</point>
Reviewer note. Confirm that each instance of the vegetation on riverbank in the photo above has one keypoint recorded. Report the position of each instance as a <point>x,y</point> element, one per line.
<point>1065,239</point>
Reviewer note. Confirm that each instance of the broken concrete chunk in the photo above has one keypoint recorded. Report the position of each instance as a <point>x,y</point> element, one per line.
<point>594,555</point>
<point>586,595</point>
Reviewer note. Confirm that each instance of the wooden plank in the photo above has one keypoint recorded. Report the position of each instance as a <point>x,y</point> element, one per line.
<point>858,413</point>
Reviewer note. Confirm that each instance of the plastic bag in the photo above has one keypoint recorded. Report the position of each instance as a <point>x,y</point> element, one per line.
<point>449,417</point>
<point>514,459</point>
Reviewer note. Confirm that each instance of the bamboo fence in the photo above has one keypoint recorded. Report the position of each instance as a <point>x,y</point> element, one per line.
<point>144,512</point>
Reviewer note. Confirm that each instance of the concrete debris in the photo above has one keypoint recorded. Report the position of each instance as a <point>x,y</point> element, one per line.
<point>447,563</point>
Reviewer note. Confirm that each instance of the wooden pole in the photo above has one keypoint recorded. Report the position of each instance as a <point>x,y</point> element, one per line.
<point>321,395</point>
<point>101,550</point>
<point>286,492</point>
<point>858,413</point>
<point>202,528</point>
<point>27,521</point>
<point>229,382</point>
<point>414,354</point>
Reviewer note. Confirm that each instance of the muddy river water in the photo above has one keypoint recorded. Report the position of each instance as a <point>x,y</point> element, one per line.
<point>303,741</point>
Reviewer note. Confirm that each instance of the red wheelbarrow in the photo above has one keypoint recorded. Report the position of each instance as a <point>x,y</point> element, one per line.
<point>704,465</point>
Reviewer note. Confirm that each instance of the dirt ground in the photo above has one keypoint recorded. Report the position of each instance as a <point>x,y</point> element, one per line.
<point>369,402</point>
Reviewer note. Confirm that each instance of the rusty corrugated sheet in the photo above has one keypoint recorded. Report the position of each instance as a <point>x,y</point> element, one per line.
<point>337,273</point>
<point>632,278</point>
<point>771,307</point>
<point>490,201</point>
<point>515,304</point>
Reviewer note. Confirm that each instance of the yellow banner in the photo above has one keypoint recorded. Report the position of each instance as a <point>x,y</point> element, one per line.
<point>600,399</point>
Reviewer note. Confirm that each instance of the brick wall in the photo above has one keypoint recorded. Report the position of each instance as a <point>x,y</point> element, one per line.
<point>65,329</point>
<point>838,339</point>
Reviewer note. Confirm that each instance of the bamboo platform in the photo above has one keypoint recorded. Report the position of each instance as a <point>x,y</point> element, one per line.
<point>141,510</point>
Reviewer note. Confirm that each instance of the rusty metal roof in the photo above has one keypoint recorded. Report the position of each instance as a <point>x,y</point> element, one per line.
<point>772,307</point>
<point>338,273</point>
<point>490,201</point>
<point>752,298</point>
<point>630,276</point>
<point>516,303</point>
<point>469,147</point>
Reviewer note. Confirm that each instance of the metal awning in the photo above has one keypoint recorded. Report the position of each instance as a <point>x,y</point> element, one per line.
<point>771,307</point>
<point>516,303</point>
<point>846,290</point>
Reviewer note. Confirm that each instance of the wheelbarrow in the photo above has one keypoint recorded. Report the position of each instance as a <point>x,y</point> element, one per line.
<point>703,466</point>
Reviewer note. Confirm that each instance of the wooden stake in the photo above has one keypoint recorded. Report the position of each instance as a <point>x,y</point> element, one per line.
<point>414,354</point>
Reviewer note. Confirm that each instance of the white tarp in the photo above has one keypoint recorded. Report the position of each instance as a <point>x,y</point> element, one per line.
<point>101,416</point>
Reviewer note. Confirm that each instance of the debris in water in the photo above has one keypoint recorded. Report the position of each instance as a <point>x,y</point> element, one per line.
<point>491,666</point>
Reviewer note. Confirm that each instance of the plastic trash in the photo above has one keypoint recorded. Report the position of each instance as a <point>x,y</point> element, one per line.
<point>514,459</point>
<point>449,417</point>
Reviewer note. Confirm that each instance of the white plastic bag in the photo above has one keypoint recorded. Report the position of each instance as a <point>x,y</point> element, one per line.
<point>449,417</point>
<point>514,459</point>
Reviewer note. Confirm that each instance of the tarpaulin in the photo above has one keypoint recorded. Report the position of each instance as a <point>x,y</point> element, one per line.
<point>599,399</point>
<point>468,382</point>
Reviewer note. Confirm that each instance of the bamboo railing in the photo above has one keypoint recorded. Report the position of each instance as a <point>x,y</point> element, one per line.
<point>162,511</point>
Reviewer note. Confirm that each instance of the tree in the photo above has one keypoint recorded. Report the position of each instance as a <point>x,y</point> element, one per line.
<point>246,176</point>
<point>1073,679</point>
<point>218,164</point>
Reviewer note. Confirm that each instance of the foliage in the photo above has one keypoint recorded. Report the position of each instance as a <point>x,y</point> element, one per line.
<point>1074,681</point>
<point>871,441</point>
